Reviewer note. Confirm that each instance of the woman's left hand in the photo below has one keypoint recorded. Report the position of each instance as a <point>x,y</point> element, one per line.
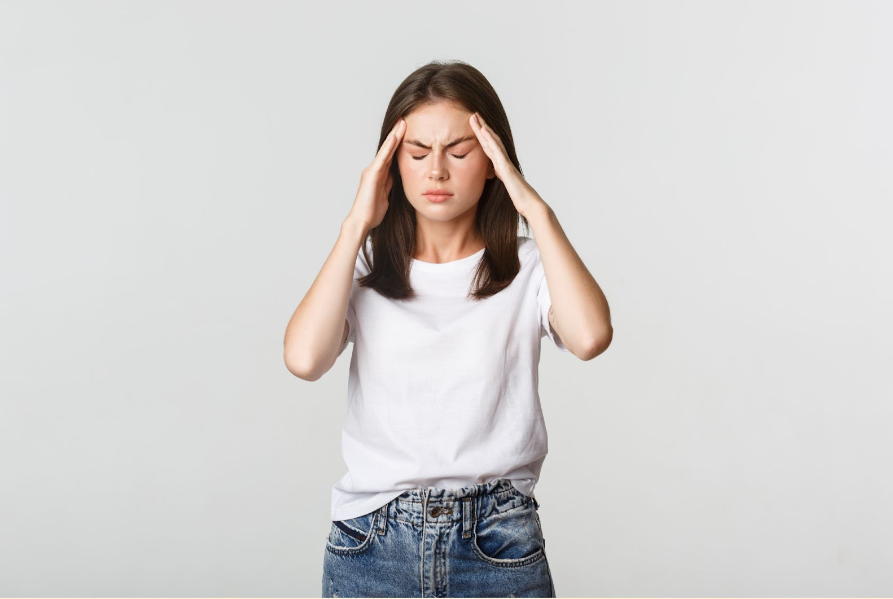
<point>522,194</point>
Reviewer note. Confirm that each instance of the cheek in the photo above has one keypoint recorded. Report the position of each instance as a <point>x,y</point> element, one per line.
<point>475,173</point>
<point>479,164</point>
<point>407,164</point>
<point>408,169</point>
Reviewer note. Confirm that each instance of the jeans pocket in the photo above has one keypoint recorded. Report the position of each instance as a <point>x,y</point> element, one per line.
<point>509,539</point>
<point>353,535</point>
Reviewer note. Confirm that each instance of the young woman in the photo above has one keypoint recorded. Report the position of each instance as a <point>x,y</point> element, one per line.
<point>446,307</point>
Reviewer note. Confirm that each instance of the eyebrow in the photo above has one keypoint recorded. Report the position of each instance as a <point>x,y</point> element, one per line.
<point>415,142</point>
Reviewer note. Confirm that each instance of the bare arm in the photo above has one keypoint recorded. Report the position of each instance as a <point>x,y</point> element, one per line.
<point>318,328</point>
<point>585,317</point>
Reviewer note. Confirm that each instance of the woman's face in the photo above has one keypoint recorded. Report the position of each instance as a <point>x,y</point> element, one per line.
<point>426,162</point>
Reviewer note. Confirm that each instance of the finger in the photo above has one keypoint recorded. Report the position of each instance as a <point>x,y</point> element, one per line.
<point>399,130</point>
<point>487,138</point>
<point>486,142</point>
<point>489,135</point>
<point>476,123</point>
<point>386,148</point>
<point>386,151</point>
<point>485,128</point>
<point>476,127</point>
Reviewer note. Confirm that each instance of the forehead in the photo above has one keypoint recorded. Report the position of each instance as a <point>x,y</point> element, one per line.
<point>438,123</point>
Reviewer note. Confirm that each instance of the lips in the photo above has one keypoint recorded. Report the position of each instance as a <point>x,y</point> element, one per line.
<point>438,195</point>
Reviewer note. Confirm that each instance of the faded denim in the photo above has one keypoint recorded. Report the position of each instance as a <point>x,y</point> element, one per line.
<point>479,541</point>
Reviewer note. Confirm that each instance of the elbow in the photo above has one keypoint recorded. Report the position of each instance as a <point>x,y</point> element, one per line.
<point>301,368</point>
<point>600,344</point>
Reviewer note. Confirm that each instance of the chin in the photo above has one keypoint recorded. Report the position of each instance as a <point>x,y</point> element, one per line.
<point>437,215</point>
<point>443,211</point>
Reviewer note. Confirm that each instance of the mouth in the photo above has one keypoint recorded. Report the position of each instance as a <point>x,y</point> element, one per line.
<point>436,194</point>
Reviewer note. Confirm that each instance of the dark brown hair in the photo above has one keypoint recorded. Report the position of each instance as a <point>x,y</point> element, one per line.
<point>393,241</point>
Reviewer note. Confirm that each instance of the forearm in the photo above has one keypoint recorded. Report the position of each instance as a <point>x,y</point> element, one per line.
<point>580,309</point>
<point>314,333</point>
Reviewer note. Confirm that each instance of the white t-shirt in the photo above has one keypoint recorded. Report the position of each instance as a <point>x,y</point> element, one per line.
<point>443,391</point>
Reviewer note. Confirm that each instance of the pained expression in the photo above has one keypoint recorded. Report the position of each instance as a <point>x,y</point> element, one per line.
<point>462,168</point>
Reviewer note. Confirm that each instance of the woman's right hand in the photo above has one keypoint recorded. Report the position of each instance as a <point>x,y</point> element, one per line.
<point>376,181</point>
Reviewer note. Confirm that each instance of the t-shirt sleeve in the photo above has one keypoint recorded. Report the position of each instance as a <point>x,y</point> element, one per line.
<point>361,269</point>
<point>351,318</point>
<point>545,302</point>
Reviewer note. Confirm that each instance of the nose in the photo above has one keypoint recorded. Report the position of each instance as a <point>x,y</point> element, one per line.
<point>438,168</point>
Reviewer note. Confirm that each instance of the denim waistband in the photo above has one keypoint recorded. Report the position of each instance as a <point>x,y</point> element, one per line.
<point>436,506</point>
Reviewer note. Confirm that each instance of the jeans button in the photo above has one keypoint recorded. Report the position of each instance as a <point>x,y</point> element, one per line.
<point>435,512</point>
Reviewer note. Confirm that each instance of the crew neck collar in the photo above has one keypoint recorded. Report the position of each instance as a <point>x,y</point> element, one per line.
<point>454,265</point>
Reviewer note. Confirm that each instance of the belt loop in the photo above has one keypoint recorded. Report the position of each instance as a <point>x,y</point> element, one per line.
<point>467,516</point>
<point>383,518</point>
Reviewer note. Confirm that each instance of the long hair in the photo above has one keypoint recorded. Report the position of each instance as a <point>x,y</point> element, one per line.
<point>394,239</point>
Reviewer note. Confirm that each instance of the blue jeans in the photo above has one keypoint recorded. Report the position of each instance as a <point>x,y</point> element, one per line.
<point>479,541</point>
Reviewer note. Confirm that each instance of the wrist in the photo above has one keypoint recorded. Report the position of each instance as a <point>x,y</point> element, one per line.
<point>529,203</point>
<point>354,228</point>
<point>537,212</point>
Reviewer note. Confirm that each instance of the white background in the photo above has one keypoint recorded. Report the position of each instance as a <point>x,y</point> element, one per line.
<point>174,174</point>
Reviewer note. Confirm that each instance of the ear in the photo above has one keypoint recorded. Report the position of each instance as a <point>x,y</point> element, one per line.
<point>491,171</point>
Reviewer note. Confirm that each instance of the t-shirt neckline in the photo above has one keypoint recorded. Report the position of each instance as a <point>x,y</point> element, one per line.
<point>453,265</point>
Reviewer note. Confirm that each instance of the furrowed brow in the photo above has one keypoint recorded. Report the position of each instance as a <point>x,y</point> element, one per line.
<point>415,142</point>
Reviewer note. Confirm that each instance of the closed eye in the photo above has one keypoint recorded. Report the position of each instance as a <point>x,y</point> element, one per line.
<point>453,155</point>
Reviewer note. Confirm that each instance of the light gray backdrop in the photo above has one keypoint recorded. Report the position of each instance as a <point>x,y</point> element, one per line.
<point>174,174</point>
